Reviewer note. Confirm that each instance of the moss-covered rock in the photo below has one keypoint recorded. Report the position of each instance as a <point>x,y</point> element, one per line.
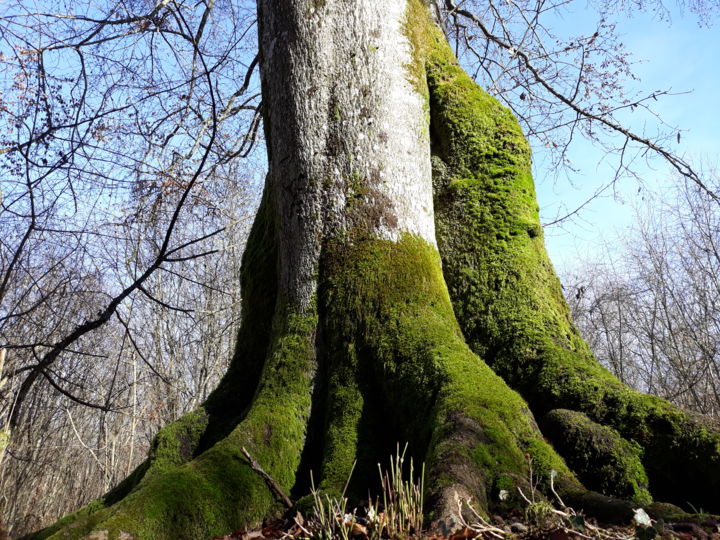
<point>601,458</point>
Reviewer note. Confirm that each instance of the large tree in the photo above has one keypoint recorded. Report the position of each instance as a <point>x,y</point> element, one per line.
<point>396,288</point>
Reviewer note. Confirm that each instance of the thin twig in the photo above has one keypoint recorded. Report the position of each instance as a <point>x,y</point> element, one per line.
<point>553,474</point>
<point>255,466</point>
<point>480,525</point>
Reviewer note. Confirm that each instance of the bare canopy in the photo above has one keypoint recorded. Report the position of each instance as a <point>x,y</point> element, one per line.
<point>396,286</point>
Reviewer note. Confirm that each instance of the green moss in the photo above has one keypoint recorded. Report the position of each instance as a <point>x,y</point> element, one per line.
<point>217,490</point>
<point>344,410</point>
<point>540,514</point>
<point>193,501</point>
<point>601,458</point>
<point>229,402</point>
<point>356,189</point>
<point>4,439</point>
<point>176,443</point>
<point>374,316</point>
<point>506,295</point>
<point>392,335</point>
<point>196,482</point>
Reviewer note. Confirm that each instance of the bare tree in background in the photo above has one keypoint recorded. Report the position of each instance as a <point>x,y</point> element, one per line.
<point>653,314</point>
<point>125,203</point>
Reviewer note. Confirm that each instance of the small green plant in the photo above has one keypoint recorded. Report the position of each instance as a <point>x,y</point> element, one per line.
<point>543,515</point>
<point>539,511</point>
<point>329,520</point>
<point>396,513</point>
<point>701,513</point>
<point>540,514</point>
<point>402,499</point>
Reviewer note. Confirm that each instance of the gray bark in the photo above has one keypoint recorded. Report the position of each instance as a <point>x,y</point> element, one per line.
<point>340,109</point>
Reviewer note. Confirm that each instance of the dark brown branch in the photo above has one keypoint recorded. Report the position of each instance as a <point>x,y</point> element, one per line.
<point>139,352</point>
<point>72,397</point>
<point>191,257</point>
<point>268,479</point>
<point>163,304</point>
<point>193,241</point>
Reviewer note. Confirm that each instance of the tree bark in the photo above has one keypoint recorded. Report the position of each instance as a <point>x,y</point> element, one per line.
<point>396,288</point>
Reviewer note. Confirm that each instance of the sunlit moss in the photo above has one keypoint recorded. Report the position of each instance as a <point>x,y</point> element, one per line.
<point>505,292</point>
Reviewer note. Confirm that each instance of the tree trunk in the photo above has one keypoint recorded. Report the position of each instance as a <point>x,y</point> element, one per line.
<point>396,289</point>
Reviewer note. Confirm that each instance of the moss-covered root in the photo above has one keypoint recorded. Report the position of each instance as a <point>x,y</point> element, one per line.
<point>486,447</point>
<point>217,490</point>
<point>506,295</point>
<point>388,315</point>
<point>174,445</point>
<point>195,482</point>
<point>171,480</point>
<point>600,457</point>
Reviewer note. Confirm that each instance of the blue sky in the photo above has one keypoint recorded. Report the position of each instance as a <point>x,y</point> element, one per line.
<point>677,54</point>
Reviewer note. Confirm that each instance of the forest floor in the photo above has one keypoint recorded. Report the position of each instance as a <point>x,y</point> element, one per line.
<point>512,526</point>
<point>397,515</point>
